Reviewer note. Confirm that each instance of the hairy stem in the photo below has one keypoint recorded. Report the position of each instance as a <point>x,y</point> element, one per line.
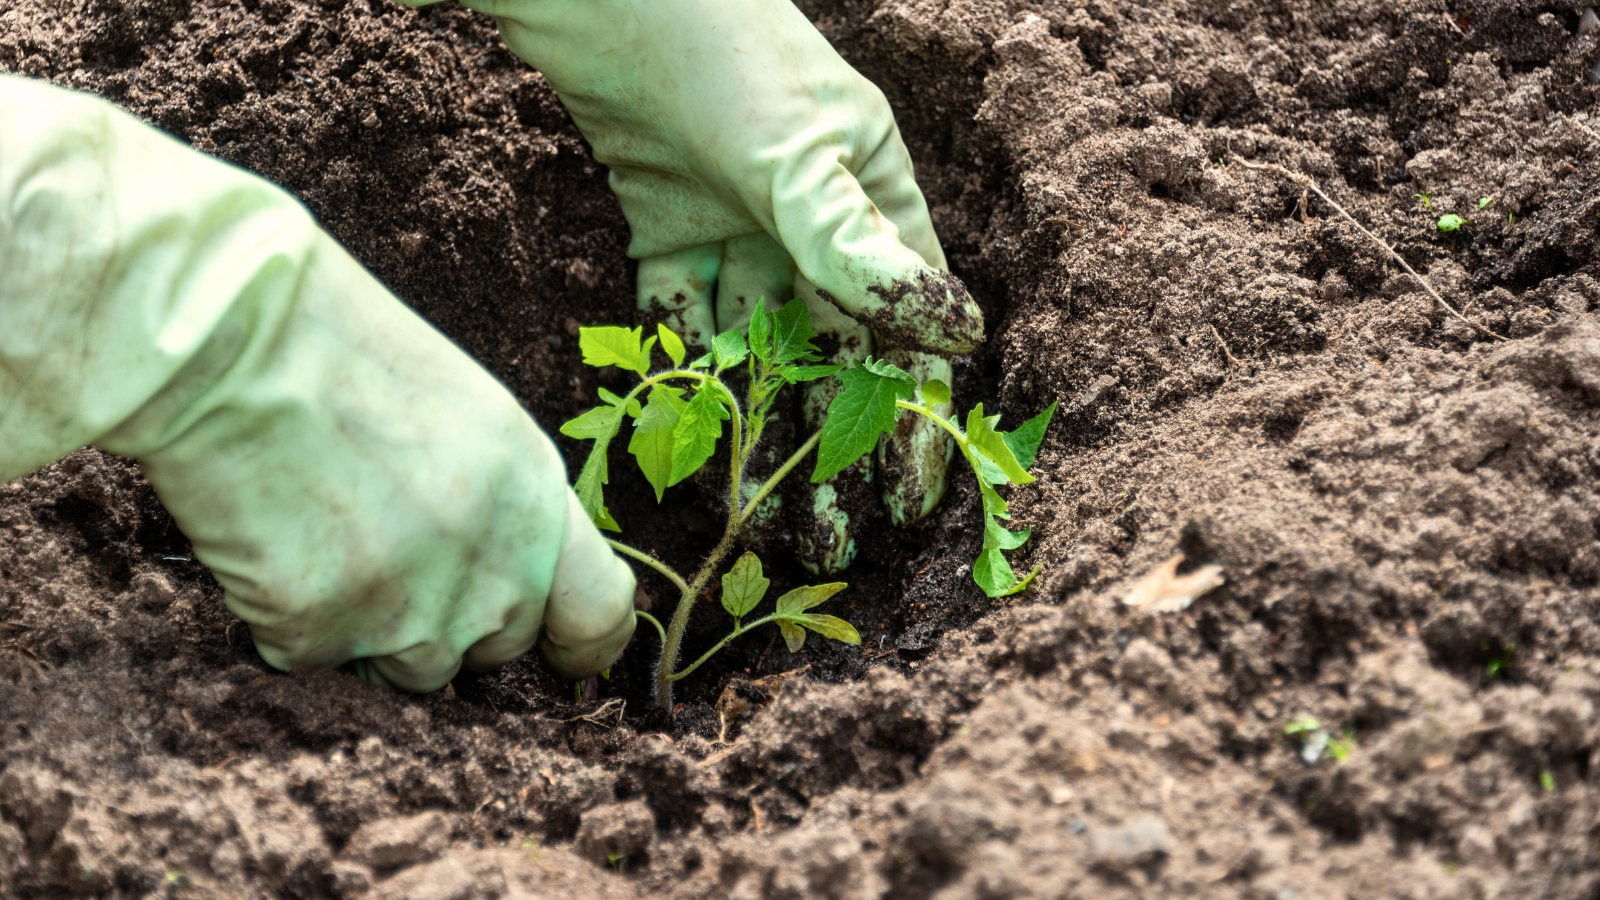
<point>650,561</point>
<point>673,640</point>
<point>738,630</point>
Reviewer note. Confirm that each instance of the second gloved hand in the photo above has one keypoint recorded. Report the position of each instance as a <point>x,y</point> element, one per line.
<point>751,161</point>
<point>361,489</point>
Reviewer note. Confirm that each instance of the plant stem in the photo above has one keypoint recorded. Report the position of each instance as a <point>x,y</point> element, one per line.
<point>678,676</point>
<point>783,470</point>
<point>946,424</point>
<point>673,640</point>
<point>653,621</point>
<point>650,561</point>
<point>680,618</point>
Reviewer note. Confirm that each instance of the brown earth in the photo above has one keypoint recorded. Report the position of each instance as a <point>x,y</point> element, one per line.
<point>1404,509</point>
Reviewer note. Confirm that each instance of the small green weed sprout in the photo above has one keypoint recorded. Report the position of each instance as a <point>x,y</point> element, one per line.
<point>1501,663</point>
<point>678,416</point>
<point>1315,740</point>
<point>1483,202</point>
<point>1547,780</point>
<point>1450,223</point>
<point>1427,201</point>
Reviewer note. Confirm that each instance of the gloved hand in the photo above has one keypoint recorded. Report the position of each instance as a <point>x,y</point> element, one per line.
<point>752,161</point>
<point>360,488</point>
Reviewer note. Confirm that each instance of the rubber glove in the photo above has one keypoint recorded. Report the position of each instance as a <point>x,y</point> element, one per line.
<point>752,161</point>
<point>360,488</point>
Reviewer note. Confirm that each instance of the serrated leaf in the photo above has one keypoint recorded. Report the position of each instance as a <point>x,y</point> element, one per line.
<point>831,627</point>
<point>761,332</point>
<point>729,349</point>
<point>671,343</point>
<point>998,537</point>
<point>793,635</point>
<point>792,334</point>
<point>695,438</point>
<point>993,573</point>
<point>886,369</point>
<point>981,435</point>
<point>935,392</point>
<point>600,422</point>
<point>798,374</point>
<point>1025,440</point>
<point>653,436</point>
<point>801,599</point>
<point>589,487</point>
<point>700,362</point>
<point>743,586</point>
<point>860,412</point>
<point>611,345</point>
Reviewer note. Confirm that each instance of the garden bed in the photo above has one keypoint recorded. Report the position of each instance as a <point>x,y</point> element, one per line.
<point>1404,509</point>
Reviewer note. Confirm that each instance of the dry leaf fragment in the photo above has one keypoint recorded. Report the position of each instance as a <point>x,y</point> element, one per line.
<point>1164,591</point>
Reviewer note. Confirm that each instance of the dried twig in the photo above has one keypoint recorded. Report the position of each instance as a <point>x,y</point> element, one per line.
<point>1306,182</point>
<point>1232,363</point>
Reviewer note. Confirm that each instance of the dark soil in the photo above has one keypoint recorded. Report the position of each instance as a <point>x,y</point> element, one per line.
<point>1405,510</point>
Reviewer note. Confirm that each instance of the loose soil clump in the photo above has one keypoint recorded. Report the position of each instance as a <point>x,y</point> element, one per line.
<point>1405,510</point>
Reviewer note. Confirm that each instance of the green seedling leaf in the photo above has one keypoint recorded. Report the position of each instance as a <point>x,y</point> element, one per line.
<point>671,343</point>
<point>999,537</point>
<point>860,412</point>
<point>611,345</point>
<point>993,573</point>
<point>1301,725</point>
<point>631,405</point>
<point>1484,201</point>
<point>935,392</point>
<point>831,627</point>
<point>1341,747</point>
<point>729,349</point>
<point>1025,440</point>
<point>743,586</point>
<point>993,503</point>
<point>792,334</point>
<point>981,435</point>
<point>1450,222</point>
<point>599,423</point>
<point>589,487</point>
<point>801,599</point>
<point>793,635</point>
<point>654,436</point>
<point>695,438</point>
<point>701,362</point>
<point>1547,780</point>
<point>797,374</point>
<point>761,332</point>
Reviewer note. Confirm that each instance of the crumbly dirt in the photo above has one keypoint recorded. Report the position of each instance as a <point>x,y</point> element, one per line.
<point>1405,510</point>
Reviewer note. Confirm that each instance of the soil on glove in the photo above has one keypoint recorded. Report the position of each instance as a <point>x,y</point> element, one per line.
<point>1403,507</point>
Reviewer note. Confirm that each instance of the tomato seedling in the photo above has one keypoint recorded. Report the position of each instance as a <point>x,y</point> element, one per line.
<point>678,417</point>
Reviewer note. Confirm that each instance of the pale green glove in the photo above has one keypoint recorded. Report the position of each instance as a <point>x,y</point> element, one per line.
<point>752,161</point>
<point>360,488</point>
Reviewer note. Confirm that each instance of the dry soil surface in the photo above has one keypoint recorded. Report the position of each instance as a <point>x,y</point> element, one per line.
<point>1404,508</point>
